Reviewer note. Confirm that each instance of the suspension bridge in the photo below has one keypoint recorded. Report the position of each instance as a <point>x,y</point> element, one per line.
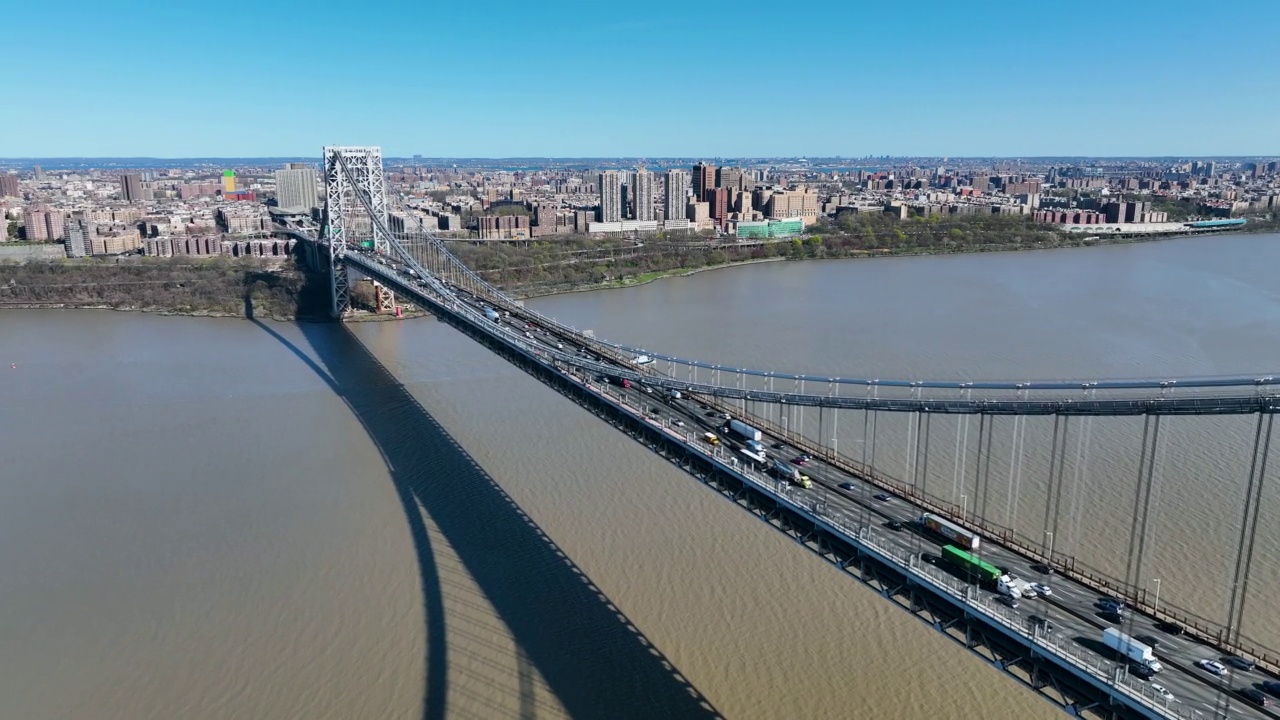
<point>1023,472</point>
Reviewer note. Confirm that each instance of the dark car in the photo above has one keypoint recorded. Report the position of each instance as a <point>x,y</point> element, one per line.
<point>778,446</point>
<point>883,497</point>
<point>1142,672</point>
<point>1008,600</point>
<point>799,460</point>
<point>930,558</point>
<point>1043,623</point>
<point>1272,687</point>
<point>1255,696</point>
<point>1042,569</point>
<point>1171,628</point>
<point>1150,641</point>
<point>1239,663</point>
<point>1111,616</point>
<point>894,525</point>
<point>846,486</point>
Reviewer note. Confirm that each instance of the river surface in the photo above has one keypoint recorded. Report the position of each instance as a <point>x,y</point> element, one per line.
<point>223,519</point>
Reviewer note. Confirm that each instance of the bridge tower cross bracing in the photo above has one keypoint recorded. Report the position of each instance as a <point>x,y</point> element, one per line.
<point>348,170</point>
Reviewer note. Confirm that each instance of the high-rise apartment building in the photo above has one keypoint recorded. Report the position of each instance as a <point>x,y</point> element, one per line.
<point>131,187</point>
<point>296,189</point>
<point>34,225</point>
<point>43,223</point>
<point>643,194</point>
<point>704,178</point>
<point>729,178</point>
<point>718,205</point>
<point>610,196</point>
<point>677,190</point>
<point>79,236</point>
<point>9,185</point>
<point>228,181</point>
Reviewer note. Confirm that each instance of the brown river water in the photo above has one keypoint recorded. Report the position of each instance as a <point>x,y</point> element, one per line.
<point>225,519</point>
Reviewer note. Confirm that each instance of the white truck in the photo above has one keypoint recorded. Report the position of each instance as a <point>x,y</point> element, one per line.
<point>1014,586</point>
<point>1130,649</point>
<point>743,430</point>
<point>1006,586</point>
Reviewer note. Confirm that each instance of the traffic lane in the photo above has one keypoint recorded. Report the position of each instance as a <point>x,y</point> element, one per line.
<point>1074,619</point>
<point>1082,623</point>
<point>854,510</point>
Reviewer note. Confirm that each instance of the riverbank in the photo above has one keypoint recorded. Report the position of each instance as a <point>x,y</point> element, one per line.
<point>223,287</point>
<point>219,287</point>
<point>810,252</point>
<point>637,281</point>
<point>552,266</point>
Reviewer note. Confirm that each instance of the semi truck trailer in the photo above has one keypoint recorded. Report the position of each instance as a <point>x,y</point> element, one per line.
<point>791,473</point>
<point>743,430</point>
<point>1129,649</point>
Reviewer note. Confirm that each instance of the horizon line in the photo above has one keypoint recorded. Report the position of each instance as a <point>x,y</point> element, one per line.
<point>30,158</point>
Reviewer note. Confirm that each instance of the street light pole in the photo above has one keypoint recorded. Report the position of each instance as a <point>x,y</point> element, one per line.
<point>1049,535</point>
<point>964,506</point>
<point>1155,606</point>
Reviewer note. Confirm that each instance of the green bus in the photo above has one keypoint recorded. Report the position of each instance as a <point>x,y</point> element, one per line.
<point>975,566</point>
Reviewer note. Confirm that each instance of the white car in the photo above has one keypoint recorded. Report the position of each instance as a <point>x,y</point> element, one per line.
<point>1162,692</point>
<point>677,422</point>
<point>1042,589</point>
<point>1212,666</point>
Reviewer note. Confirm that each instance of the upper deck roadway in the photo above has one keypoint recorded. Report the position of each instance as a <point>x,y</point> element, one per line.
<point>1071,608</point>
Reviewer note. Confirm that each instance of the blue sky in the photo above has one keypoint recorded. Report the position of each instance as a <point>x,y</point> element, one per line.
<point>703,78</point>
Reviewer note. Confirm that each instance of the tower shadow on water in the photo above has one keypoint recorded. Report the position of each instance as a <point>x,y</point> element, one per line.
<point>594,660</point>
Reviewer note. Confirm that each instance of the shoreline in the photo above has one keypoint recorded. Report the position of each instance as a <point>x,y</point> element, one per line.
<point>362,316</point>
<point>649,277</point>
<point>653,276</point>
<point>882,253</point>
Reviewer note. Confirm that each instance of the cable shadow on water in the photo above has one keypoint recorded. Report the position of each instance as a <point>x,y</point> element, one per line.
<point>593,659</point>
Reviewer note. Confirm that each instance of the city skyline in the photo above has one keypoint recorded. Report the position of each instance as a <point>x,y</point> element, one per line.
<point>1011,80</point>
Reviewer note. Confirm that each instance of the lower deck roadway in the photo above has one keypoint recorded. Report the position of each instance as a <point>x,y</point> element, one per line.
<point>1071,608</point>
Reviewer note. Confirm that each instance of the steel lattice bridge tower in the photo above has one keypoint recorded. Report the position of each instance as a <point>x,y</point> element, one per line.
<point>986,433</point>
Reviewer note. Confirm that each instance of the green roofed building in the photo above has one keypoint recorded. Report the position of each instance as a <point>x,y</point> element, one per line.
<point>786,228</point>
<point>758,229</point>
